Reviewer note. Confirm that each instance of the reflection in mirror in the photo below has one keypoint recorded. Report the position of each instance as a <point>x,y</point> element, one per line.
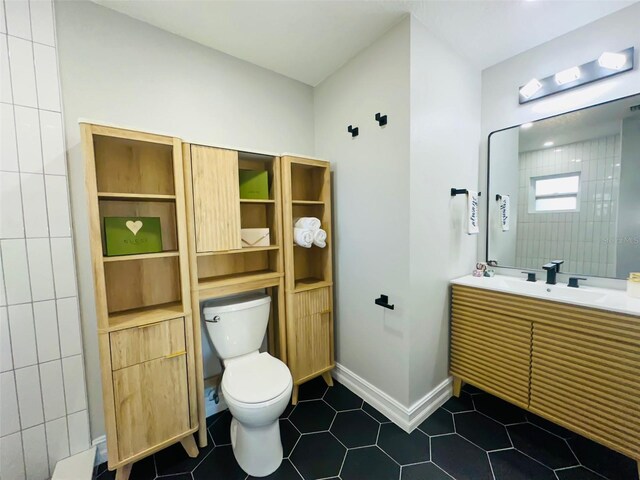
<point>568,187</point>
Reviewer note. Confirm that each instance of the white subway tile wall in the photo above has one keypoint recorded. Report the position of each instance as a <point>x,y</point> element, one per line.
<point>584,239</point>
<point>43,402</point>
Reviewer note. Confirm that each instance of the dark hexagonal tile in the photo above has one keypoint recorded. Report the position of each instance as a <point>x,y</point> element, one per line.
<point>424,471</point>
<point>459,404</point>
<point>541,445</point>
<point>498,409</point>
<point>577,473</point>
<point>173,460</point>
<point>284,472</point>
<point>471,390</point>
<point>220,431</point>
<point>369,463</point>
<point>513,465</point>
<point>142,470</point>
<point>341,398</point>
<point>375,413</point>
<point>549,426</point>
<point>481,430</point>
<point>220,463</point>
<point>287,410</point>
<point>313,389</point>
<point>603,460</point>
<point>213,418</point>
<point>438,423</point>
<point>289,436</point>
<point>460,458</point>
<point>355,429</point>
<point>313,416</point>
<point>403,447</point>
<point>318,455</point>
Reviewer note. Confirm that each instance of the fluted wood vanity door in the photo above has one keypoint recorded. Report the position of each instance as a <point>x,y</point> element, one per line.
<point>489,349</point>
<point>216,198</point>
<point>151,404</point>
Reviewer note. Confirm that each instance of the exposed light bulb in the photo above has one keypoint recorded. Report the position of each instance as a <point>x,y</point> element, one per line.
<point>569,75</point>
<point>548,144</point>
<point>530,88</point>
<point>612,61</point>
<point>526,125</point>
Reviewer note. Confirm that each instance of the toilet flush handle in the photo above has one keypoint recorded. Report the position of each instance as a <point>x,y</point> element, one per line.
<point>215,319</point>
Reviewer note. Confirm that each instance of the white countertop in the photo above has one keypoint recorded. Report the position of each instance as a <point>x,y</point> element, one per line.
<point>602,298</point>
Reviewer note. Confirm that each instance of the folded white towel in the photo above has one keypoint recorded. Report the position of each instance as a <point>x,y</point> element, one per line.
<point>303,237</point>
<point>320,238</point>
<point>473,227</point>
<point>310,223</point>
<point>505,212</point>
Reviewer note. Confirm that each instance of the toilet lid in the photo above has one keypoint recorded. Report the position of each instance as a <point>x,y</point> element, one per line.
<point>256,379</point>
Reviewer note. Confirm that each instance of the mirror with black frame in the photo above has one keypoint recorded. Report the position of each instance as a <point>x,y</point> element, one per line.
<point>568,187</point>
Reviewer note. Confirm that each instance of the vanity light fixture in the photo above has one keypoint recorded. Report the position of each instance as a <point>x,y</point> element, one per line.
<point>524,126</point>
<point>612,61</point>
<point>558,150</point>
<point>567,76</point>
<point>530,89</point>
<point>607,65</point>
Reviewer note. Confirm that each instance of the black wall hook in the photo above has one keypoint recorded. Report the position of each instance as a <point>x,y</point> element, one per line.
<point>383,301</point>
<point>353,131</point>
<point>381,119</point>
<point>498,197</point>
<point>461,191</point>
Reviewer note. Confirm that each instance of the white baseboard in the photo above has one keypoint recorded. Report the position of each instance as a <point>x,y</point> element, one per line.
<point>407,418</point>
<point>101,446</point>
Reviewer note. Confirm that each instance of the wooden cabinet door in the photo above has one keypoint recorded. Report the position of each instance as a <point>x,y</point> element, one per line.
<point>151,404</point>
<point>313,331</point>
<point>490,349</point>
<point>216,198</point>
<point>585,375</point>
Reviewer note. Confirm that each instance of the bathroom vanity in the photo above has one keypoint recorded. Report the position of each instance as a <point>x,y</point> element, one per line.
<point>569,355</point>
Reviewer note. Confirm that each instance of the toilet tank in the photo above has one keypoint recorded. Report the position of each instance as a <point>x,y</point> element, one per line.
<point>237,325</point>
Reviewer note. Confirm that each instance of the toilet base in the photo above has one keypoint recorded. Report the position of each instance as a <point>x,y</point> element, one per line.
<point>258,450</point>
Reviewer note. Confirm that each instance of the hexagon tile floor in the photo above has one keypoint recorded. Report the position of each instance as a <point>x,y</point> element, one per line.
<point>333,434</point>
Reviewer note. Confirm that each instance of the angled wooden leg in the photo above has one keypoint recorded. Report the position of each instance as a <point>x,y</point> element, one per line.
<point>327,378</point>
<point>189,445</point>
<point>457,386</point>
<point>123,472</point>
<point>294,395</point>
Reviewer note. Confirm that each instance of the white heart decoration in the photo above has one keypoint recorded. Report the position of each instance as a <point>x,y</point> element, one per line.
<point>134,226</point>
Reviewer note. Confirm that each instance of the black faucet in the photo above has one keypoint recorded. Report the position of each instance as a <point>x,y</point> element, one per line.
<point>552,268</point>
<point>573,282</point>
<point>531,276</point>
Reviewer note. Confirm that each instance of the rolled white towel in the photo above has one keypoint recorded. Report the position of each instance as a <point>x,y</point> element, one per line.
<point>310,223</point>
<point>303,237</point>
<point>320,238</point>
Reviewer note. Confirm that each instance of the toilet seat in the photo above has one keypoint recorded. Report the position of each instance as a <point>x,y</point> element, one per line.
<point>256,379</point>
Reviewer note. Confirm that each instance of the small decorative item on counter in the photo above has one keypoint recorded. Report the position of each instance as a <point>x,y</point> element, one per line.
<point>489,273</point>
<point>132,235</point>
<point>633,285</point>
<point>479,270</point>
<point>255,237</point>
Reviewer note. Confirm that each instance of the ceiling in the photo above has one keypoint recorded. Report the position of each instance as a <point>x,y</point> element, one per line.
<point>308,40</point>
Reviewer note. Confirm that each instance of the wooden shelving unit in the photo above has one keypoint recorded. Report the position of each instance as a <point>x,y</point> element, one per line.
<point>306,192</point>
<point>219,263</point>
<point>143,302</point>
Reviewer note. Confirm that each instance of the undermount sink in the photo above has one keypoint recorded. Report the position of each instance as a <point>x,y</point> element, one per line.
<point>603,298</point>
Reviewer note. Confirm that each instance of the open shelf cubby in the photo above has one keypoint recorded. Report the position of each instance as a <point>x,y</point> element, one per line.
<point>238,264</point>
<point>141,283</point>
<point>127,166</point>
<point>310,267</point>
<point>257,162</point>
<point>165,210</point>
<point>308,183</point>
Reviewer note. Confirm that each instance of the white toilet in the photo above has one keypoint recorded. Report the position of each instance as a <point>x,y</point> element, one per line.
<point>256,386</point>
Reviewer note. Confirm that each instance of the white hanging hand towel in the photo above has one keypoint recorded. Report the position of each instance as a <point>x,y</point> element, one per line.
<point>505,212</point>
<point>320,238</point>
<point>310,223</point>
<point>473,227</point>
<point>303,237</point>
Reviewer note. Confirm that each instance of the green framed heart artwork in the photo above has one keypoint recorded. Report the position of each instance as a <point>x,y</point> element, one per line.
<point>132,235</point>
